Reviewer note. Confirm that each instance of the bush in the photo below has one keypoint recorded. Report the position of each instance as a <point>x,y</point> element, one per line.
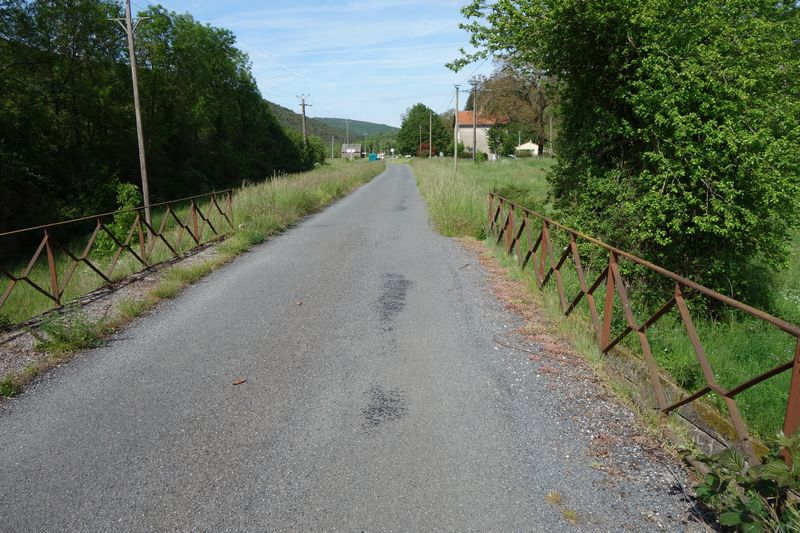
<point>128,198</point>
<point>679,125</point>
<point>756,498</point>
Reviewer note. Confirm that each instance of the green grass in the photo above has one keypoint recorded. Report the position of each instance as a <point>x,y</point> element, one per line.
<point>260,210</point>
<point>68,334</point>
<point>457,202</point>
<point>738,346</point>
<point>133,308</point>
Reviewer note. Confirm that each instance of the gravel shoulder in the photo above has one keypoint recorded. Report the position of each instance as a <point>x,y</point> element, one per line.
<point>385,390</point>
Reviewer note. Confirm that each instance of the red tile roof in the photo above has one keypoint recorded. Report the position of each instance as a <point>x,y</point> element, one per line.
<point>465,119</point>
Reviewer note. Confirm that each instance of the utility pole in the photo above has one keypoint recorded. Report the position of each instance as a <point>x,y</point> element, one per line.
<point>303,105</point>
<point>551,133</point>
<point>331,146</point>
<point>474,120</point>
<point>347,122</point>
<point>430,134</point>
<point>455,136</point>
<point>129,27</point>
<point>420,138</point>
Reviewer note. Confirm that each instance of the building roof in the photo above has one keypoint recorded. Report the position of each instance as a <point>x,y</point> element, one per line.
<point>465,119</point>
<point>351,148</point>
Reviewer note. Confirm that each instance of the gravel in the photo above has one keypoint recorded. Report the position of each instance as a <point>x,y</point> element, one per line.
<point>376,400</point>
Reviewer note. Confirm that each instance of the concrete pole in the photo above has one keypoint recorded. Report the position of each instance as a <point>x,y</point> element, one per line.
<point>430,134</point>
<point>474,120</point>
<point>455,137</point>
<point>130,30</point>
<point>303,105</point>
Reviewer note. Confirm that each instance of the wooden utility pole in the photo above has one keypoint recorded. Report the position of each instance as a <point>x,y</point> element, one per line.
<point>303,106</point>
<point>455,136</point>
<point>331,146</point>
<point>551,133</point>
<point>430,134</point>
<point>347,122</point>
<point>129,26</point>
<point>420,139</point>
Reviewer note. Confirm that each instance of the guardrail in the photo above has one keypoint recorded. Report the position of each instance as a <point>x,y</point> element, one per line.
<point>148,245</point>
<point>508,221</point>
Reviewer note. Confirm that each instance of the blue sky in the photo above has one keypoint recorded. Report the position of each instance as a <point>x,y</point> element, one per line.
<point>362,60</point>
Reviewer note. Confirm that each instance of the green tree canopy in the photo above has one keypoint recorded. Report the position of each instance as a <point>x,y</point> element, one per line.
<point>416,120</point>
<point>68,135</point>
<point>680,122</point>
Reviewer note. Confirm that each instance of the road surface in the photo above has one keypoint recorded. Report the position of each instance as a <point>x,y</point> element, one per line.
<point>375,400</point>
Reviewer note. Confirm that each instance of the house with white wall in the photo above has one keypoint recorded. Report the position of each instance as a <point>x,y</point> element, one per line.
<point>484,123</point>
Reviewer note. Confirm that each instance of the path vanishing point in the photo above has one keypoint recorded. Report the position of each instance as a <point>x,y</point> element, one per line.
<point>376,400</point>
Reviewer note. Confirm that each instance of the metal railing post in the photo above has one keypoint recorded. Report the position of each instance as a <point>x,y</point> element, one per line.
<point>195,229</point>
<point>51,264</point>
<point>791,422</point>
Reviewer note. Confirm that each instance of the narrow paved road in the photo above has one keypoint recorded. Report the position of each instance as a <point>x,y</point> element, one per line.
<point>379,404</point>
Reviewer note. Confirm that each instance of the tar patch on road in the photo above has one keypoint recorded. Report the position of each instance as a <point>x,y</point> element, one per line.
<point>393,298</point>
<point>383,405</point>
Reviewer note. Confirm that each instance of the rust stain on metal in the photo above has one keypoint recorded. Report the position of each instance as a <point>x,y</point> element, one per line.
<point>145,235</point>
<point>547,265</point>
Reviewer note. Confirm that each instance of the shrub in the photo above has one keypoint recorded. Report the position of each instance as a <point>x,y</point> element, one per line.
<point>679,124</point>
<point>128,198</point>
<point>755,498</point>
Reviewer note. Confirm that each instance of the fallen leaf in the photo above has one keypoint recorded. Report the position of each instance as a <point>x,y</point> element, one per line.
<point>239,381</point>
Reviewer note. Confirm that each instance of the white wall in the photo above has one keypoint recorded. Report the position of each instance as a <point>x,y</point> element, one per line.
<point>465,137</point>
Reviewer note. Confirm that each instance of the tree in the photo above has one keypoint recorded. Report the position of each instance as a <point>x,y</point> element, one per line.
<point>525,95</point>
<point>680,123</point>
<point>68,138</point>
<point>504,138</point>
<point>416,120</point>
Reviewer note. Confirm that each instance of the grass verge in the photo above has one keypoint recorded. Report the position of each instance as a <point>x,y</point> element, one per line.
<point>457,202</point>
<point>738,347</point>
<point>260,210</point>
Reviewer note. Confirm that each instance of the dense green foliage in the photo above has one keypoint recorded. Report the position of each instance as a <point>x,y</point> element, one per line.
<point>68,133</point>
<point>413,135</point>
<point>758,498</point>
<point>504,138</point>
<point>679,124</point>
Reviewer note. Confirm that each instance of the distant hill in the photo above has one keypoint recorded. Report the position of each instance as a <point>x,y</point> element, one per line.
<point>329,127</point>
<point>290,119</point>
<point>357,127</point>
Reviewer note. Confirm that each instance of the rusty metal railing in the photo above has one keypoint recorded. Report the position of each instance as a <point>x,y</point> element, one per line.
<point>508,222</point>
<point>140,242</point>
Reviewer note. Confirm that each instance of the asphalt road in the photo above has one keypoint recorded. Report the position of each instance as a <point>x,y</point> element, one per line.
<point>375,400</point>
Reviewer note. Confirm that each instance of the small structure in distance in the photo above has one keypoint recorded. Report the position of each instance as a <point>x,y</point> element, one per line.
<point>351,151</point>
<point>529,148</point>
